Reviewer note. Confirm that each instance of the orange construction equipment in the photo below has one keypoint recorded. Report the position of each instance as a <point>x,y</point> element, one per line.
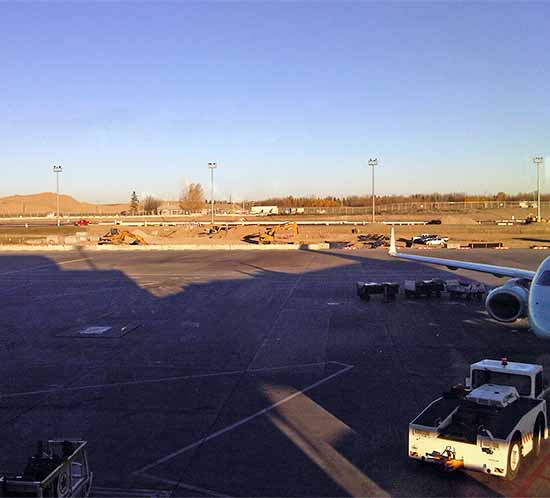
<point>269,236</point>
<point>118,237</point>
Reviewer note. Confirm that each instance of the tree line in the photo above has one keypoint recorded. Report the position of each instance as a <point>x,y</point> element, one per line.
<point>366,200</point>
<point>192,200</point>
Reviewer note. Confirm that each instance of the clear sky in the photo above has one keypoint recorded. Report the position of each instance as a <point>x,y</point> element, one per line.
<point>289,98</point>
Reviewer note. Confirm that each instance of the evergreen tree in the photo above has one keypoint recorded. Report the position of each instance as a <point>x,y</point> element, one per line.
<point>134,202</point>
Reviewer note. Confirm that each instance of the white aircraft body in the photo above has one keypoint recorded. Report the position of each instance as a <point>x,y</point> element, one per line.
<point>526,294</point>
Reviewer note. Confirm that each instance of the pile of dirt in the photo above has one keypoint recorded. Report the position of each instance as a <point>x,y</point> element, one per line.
<point>46,202</point>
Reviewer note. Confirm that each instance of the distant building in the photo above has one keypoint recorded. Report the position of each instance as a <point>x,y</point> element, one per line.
<point>527,204</point>
<point>264,210</point>
<point>170,209</point>
<point>293,210</point>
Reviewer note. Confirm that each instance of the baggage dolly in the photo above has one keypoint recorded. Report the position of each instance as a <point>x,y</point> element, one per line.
<point>424,288</point>
<point>388,289</point>
<point>60,468</point>
<point>465,290</point>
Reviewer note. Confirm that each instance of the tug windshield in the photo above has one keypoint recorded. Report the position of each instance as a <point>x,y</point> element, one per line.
<point>521,382</point>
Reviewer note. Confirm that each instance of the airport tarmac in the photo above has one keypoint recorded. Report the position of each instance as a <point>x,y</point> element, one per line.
<point>244,373</point>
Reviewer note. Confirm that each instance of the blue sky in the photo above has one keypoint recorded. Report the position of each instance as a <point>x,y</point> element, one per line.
<point>289,98</point>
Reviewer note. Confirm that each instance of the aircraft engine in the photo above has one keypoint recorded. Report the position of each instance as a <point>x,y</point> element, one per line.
<point>508,302</point>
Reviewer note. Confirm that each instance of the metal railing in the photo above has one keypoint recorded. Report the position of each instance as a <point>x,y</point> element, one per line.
<point>422,207</point>
<point>397,208</point>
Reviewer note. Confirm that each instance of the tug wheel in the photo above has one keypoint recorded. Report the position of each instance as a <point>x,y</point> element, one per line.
<point>514,459</point>
<point>538,436</point>
<point>63,483</point>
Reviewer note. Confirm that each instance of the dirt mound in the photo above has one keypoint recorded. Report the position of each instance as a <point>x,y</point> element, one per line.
<point>46,202</point>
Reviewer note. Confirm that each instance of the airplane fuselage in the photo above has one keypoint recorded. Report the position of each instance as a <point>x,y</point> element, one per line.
<point>539,301</point>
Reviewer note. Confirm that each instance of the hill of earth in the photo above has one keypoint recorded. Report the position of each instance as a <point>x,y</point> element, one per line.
<point>46,202</point>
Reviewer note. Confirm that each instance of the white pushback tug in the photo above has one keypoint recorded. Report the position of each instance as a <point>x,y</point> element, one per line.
<point>490,425</point>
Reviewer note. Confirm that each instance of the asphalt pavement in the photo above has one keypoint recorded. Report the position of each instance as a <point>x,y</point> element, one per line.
<point>243,373</point>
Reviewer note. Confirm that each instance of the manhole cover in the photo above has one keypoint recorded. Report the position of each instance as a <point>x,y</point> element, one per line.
<point>99,331</point>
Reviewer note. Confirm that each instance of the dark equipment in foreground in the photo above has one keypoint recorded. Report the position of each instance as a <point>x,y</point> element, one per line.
<point>59,468</point>
<point>421,288</point>
<point>388,289</point>
<point>466,290</point>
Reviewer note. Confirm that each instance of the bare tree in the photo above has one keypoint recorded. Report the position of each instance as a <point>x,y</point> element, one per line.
<point>192,198</point>
<point>151,204</point>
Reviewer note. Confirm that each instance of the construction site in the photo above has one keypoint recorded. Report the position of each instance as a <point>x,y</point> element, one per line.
<point>474,224</point>
<point>274,231</point>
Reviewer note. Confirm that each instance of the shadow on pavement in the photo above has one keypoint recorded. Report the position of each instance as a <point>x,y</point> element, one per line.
<point>232,340</point>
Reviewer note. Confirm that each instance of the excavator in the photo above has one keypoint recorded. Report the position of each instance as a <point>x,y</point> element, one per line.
<point>270,234</point>
<point>118,237</point>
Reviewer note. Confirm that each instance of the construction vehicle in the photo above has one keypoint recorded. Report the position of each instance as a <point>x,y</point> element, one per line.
<point>219,230</point>
<point>60,468</point>
<point>117,237</point>
<point>489,425</point>
<point>283,231</point>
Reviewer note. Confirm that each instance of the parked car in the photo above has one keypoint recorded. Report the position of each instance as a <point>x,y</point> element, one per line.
<point>422,238</point>
<point>429,239</point>
<point>436,241</point>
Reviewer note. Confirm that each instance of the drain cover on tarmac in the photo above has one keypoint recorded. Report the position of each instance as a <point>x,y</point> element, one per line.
<point>99,330</point>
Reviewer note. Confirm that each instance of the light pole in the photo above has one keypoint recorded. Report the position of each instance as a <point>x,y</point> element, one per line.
<point>373,163</point>
<point>212,167</point>
<point>538,160</point>
<point>57,169</point>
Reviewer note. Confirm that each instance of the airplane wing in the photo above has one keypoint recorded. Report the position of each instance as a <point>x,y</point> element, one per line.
<point>453,264</point>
